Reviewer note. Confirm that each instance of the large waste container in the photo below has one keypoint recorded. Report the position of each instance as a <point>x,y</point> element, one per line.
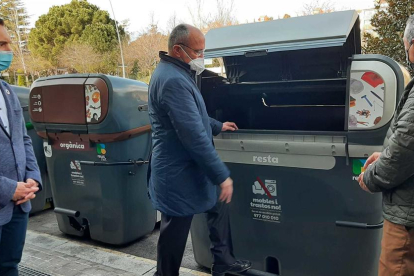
<point>43,198</point>
<point>97,140</point>
<point>310,109</point>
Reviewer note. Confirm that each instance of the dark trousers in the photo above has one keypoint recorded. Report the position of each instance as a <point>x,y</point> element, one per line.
<point>12,238</point>
<point>173,238</point>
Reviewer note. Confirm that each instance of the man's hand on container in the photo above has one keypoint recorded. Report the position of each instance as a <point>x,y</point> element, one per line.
<point>372,159</point>
<point>226,190</point>
<point>229,126</point>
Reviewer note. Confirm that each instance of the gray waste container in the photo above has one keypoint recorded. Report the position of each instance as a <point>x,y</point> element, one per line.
<point>97,137</point>
<point>43,198</point>
<point>310,109</point>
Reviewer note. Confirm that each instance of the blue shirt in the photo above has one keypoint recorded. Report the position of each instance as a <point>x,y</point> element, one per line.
<point>185,167</point>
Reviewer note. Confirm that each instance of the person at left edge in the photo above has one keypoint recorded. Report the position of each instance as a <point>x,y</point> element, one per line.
<point>19,173</point>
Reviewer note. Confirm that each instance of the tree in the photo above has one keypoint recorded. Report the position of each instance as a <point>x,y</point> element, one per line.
<point>78,21</point>
<point>16,20</point>
<point>265,18</point>
<point>37,66</point>
<point>21,81</point>
<point>142,54</point>
<point>317,7</point>
<point>389,24</point>
<point>223,16</point>
<point>81,57</point>
<point>172,23</point>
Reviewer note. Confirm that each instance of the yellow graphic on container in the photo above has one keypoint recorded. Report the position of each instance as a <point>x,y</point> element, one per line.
<point>358,166</point>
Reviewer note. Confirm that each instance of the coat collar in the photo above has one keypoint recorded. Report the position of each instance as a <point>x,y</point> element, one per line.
<point>186,67</point>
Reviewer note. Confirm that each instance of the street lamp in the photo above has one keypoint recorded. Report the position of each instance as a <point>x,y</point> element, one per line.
<point>119,41</point>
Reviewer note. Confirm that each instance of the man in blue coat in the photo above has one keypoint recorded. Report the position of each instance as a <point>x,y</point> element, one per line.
<point>185,170</point>
<point>19,173</point>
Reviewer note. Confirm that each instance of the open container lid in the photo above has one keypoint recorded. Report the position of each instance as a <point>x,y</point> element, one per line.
<point>298,33</point>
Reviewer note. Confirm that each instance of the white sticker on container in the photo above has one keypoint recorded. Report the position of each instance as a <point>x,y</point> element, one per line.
<point>47,149</point>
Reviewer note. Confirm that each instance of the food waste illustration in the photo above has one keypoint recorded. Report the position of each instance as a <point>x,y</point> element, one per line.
<point>366,103</point>
<point>93,103</point>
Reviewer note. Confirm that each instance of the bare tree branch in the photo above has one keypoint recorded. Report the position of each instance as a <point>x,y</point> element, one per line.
<point>317,7</point>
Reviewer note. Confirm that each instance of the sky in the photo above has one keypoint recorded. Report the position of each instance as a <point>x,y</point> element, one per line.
<point>139,13</point>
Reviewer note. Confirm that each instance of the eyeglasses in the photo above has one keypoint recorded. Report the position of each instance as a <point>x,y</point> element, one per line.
<point>198,53</point>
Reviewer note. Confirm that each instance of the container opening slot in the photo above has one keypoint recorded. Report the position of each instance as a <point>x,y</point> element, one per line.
<point>304,106</point>
<point>272,265</point>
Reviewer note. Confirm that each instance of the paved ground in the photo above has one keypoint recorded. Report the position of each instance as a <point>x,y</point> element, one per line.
<point>44,223</point>
<point>59,256</point>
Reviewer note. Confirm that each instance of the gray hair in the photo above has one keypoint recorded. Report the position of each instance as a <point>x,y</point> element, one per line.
<point>178,35</point>
<point>409,30</point>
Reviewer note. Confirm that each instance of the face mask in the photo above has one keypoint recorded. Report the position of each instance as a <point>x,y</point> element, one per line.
<point>197,64</point>
<point>6,58</point>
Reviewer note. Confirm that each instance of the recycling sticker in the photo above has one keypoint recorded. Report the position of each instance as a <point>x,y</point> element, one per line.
<point>265,205</point>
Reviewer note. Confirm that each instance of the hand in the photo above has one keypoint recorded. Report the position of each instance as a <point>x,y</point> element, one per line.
<point>32,183</point>
<point>22,190</point>
<point>26,198</point>
<point>229,126</point>
<point>372,159</point>
<point>362,184</point>
<point>226,190</point>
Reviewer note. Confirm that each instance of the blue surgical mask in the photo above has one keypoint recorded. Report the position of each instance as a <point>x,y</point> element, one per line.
<point>6,58</point>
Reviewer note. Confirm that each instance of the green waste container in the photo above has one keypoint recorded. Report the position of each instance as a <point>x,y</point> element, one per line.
<point>97,141</point>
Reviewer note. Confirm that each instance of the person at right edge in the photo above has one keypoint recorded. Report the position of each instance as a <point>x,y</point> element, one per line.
<point>185,170</point>
<point>392,173</point>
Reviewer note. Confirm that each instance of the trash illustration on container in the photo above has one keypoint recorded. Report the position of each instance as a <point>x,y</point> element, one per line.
<point>47,149</point>
<point>366,102</point>
<point>268,188</point>
<point>93,103</point>
<point>265,208</point>
<point>76,175</point>
<point>364,112</point>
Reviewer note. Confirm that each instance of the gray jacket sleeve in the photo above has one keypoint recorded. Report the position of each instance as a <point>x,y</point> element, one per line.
<point>396,163</point>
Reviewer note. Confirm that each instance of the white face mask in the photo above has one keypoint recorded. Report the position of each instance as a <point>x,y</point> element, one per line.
<point>197,64</point>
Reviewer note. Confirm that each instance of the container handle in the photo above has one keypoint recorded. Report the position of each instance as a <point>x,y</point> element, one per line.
<point>107,164</point>
<point>254,272</point>
<point>67,212</point>
<point>359,225</point>
<point>143,107</point>
<point>299,105</point>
